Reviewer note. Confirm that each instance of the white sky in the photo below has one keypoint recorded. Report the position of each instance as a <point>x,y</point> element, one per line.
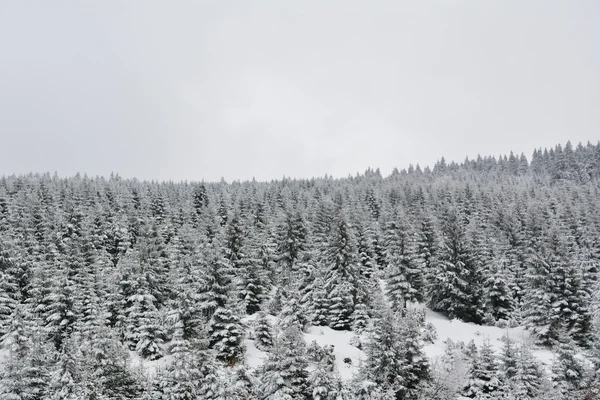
<point>266,88</point>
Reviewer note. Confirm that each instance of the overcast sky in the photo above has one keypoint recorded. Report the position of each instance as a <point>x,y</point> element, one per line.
<point>191,90</point>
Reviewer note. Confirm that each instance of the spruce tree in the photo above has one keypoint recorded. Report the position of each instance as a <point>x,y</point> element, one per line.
<point>484,373</point>
<point>9,290</point>
<point>324,383</point>
<point>404,266</point>
<point>284,374</point>
<point>226,336</point>
<point>263,332</point>
<point>499,300</point>
<point>214,287</point>
<point>456,283</point>
<point>342,281</point>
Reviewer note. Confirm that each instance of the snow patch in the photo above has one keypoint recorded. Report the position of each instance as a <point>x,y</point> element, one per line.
<point>254,356</point>
<point>342,349</point>
<point>457,330</point>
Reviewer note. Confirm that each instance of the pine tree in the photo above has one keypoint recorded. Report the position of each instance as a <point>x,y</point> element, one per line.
<point>528,380</point>
<point>509,359</point>
<point>237,384</point>
<point>9,290</point>
<point>394,356</point>
<point>366,253</point>
<point>404,267</point>
<point>291,238</point>
<point>13,382</point>
<point>292,314</point>
<point>144,332</point>
<point>185,307</point>
<point>253,289</point>
<point>323,383</point>
<point>214,287</point>
<point>263,332</point>
<point>499,300</point>
<point>341,306</point>
<point>484,373</point>
<point>226,336</point>
<point>61,315</point>
<point>554,297</point>
<point>455,288</point>
<point>568,372</point>
<point>416,365</point>
<point>284,374</point>
<point>341,280</point>
<point>66,380</point>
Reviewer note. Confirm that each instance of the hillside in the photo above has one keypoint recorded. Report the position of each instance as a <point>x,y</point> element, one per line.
<point>477,279</point>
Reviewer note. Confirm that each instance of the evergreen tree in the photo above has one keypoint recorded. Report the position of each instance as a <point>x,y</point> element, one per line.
<point>341,280</point>
<point>263,332</point>
<point>252,289</point>
<point>323,383</point>
<point>528,380</point>
<point>9,290</point>
<point>456,286</point>
<point>499,300</point>
<point>214,287</point>
<point>484,373</point>
<point>226,335</point>
<point>568,372</point>
<point>404,273</point>
<point>394,356</point>
<point>284,374</point>
<point>144,332</point>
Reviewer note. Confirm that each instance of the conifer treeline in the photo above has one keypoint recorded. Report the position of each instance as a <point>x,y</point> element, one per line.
<point>93,269</point>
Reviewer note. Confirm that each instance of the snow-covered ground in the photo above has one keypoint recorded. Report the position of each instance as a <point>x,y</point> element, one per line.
<point>455,330</point>
<point>3,355</point>
<point>342,348</point>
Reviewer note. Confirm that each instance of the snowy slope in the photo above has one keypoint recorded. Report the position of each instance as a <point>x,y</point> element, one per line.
<point>457,330</point>
<point>342,348</point>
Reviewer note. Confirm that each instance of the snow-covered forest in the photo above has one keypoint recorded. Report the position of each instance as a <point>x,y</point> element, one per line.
<point>321,288</point>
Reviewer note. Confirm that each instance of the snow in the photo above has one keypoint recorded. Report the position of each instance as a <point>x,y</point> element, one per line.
<point>342,348</point>
<point>457,330</point>
<point>3,355</point>
<point>446,328</point>
<point>254,356</point>
<point>150,367</point>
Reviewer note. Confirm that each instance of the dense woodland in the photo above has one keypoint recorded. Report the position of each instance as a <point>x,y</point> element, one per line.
<point>96,272</point>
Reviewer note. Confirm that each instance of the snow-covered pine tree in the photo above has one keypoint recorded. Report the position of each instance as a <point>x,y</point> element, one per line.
<point>323,383</point>
<point>253,289</point>
<point>214,286</point>
<point>144,333</point>
<point>484,378</point>
<point>342,280</point>
<point>553,297</point>
<point>568,372</point>
<point>405,281</point>
<point>284,373</point>
<point>456,287</point>
<point>237,384</point>
<point>499,300</point>
<point>226,335</point>
<point>529,377</point>
<point>291,237</point>
<point>395,360</point>
<point>9,289</point>
<point>263,332</point>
